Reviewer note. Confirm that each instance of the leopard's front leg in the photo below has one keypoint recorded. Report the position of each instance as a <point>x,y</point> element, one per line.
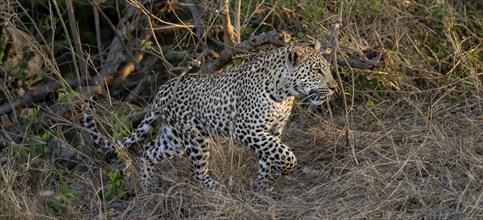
<point>272,154</point>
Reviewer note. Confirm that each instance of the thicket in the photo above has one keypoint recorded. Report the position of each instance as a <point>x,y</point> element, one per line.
<point>401,139</point>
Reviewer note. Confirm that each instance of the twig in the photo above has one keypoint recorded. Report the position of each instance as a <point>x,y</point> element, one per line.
<point>9,98</point>
<point>334,40</point>
<point>197,18</point>
<point>150,17</point>
<point>64,27</point>
<point>228,31</point>
<point>100,49</point>
<point>76,38</point>
<point>147,80</point>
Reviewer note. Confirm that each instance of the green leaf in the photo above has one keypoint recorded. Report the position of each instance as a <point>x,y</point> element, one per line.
<point>66,96</point>
<point>370,103</point>
<point>64,188</point>
<point>112,176</point>
<point>146,45</point>
<point>111,192</point>
<point>46,136</point>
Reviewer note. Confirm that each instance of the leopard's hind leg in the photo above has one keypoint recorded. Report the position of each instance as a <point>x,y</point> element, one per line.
<point>166,145</point>
<point>197,149</point>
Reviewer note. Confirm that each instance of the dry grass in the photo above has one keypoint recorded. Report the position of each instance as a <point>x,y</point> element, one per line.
<point>415,151</point>
<point>403,166</point>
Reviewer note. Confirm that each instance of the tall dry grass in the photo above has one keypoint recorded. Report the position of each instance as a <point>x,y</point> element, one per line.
<point>415,150</point>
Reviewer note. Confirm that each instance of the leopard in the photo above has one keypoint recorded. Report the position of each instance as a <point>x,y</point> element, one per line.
<point>249,103</point>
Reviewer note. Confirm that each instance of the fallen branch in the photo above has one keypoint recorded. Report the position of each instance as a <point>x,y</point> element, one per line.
<point>358,64</point>
<point>271,37</point>
<point>114,70</point>
<point>29,98</point>
<point>115,56</point>
<point>40,92</point>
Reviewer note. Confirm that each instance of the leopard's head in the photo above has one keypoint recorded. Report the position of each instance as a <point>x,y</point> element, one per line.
<point>310,73</point>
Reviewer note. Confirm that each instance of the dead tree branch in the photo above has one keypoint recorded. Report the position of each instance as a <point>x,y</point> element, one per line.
<point>358,64</point>
<point>271,37</point>
<point>127,69</point>
<point>114,70</point>
<point>228,31</point>
<point>237,21</point>
<point>30,97</point>
<point>117,49</point>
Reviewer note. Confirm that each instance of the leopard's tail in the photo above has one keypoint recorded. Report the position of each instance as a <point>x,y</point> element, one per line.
<point>91,126</point>
<point>144,128</point>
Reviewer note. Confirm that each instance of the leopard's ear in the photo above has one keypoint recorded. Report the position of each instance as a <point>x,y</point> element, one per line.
<point>297,55</point>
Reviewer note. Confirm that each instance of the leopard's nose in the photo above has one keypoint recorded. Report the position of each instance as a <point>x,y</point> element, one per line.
<point>333,85</point>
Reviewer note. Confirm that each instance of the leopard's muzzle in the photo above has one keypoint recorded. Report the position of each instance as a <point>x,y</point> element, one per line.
<point>318,96</point>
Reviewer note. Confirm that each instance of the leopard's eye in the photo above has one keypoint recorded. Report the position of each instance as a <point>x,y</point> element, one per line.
<point>319,71</point>
<point>323,71</point>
